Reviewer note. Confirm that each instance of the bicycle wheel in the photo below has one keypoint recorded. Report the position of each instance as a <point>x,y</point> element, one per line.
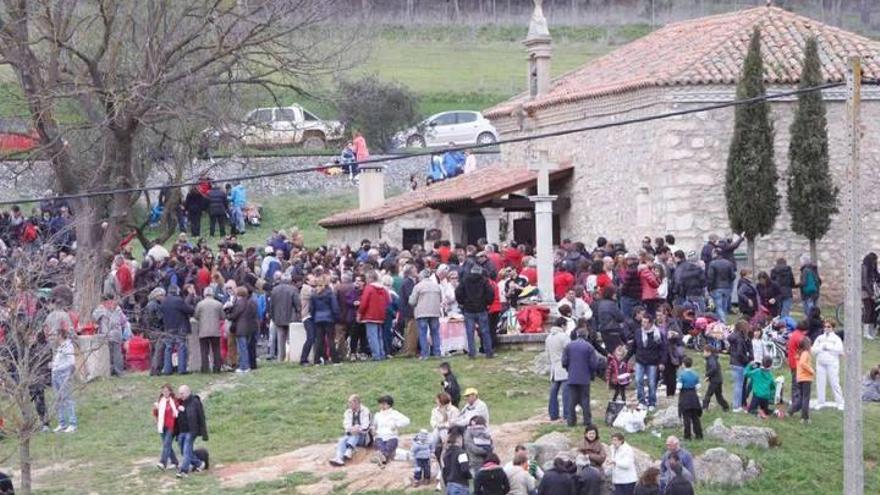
<point>838,314</point>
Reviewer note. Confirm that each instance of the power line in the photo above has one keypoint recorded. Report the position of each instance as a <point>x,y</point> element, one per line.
<point>406,156</point>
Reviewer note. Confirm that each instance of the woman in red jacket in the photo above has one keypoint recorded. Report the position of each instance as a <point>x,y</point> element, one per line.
<point>165,411</point>
<point>371,311</point>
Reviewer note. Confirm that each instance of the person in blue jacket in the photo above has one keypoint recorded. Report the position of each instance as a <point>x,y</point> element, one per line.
<point>581,361</point>
<point>435,169</point>
<point>453,162</point>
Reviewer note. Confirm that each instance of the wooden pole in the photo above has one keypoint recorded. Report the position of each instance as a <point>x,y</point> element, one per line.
<point>853,464</point>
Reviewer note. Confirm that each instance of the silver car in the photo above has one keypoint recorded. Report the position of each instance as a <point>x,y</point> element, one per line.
<point>460,127</point>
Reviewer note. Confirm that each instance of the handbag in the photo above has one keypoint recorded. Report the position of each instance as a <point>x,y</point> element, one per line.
<point>611,411</point>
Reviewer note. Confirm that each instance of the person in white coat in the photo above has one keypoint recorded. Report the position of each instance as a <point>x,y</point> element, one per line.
<point>555,345</point>
<point>828,349</point>
<point>623,466</point>
<point>386,425</point>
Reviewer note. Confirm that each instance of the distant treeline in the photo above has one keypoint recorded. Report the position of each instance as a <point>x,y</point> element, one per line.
<point>861,15</point>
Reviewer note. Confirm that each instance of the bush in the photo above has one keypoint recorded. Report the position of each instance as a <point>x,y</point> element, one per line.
<point>378,109</point>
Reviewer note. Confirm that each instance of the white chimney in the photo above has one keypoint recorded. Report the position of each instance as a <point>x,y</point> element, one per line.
<point>539,46</point>
<point>371,189</point>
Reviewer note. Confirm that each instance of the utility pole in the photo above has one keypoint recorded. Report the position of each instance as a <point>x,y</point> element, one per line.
<point>853,450</point>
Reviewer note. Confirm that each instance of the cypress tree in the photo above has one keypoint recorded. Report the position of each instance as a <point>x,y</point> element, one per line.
<point>750,186</point>
<point>812,195</point>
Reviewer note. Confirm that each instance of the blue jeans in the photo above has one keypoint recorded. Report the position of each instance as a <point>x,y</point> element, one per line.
<point>649,372</point>
<point>237,219</point>
<point>349,442</point>
<point>722,303</point>
<point>374,338</point>
<point>553,406</point>
<point>429,325</point>
<point>61,384</point>
<point>244,362</point>
<point>738,376</point>
<point>168,448</point>
<point>387,336</point>
<point>785,306</point>
<point>699,302</point>
<point>456,489</point>
<point>309,326</point>
<point>628,305</point>
<point>809,304</point>
<point>482,319</point>
<point>171,342</point>
<point>190,461</point>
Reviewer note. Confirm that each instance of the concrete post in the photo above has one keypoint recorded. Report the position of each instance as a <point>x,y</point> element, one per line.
<point>493,224</point>
<point>371,188</point>
<point>544,244</point>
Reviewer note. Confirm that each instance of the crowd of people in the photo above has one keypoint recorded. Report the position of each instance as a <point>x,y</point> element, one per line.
<point>624,315</point>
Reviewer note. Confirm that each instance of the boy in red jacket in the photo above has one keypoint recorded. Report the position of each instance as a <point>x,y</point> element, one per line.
<point>371,311</point>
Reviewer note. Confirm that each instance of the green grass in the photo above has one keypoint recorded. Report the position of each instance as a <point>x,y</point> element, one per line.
<point>279,408</point>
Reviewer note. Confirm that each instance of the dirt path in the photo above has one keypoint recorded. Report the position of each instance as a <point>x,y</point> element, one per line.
<point>359,474</point>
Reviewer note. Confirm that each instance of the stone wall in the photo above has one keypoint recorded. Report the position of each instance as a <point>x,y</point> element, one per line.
<point>451,227</point>
<point>667,176</point>
<point>33,181</point>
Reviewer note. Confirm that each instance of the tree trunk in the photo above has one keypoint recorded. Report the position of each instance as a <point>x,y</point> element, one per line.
<point>750,247</point>
<point>90,261</point>
<point>814,252</point>
<point>24,459</point>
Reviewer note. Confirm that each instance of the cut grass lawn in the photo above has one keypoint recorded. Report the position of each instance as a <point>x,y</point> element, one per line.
<point>280,407</point>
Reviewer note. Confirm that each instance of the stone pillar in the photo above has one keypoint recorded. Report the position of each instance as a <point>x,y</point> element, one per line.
<point>544,244</point>
<point>371,187</point>
<point>493,224</point>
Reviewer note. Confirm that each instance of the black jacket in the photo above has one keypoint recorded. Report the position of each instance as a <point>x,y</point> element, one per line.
<point>608,317</point>
<point>747,296</point>
<point>679,486</point>
<point>194,202</point>
<point>784,278</point>
<point>450,386</point>
<point>713,370</point>
<point>720,274</point>
<point>589,481</point>
<point>474,294</point>
<point>491,481</point>
<point>631,284</point>
<point>456,468</point>
<point>689,279</point>
<point>652,351</point>
<point>192,418</point>
<point>647,490</point>
<point>218,203</point>
<point>740,349</point>
<point>557,483</point>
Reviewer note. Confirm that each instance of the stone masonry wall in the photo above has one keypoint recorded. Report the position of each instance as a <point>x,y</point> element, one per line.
<point>667,176</point>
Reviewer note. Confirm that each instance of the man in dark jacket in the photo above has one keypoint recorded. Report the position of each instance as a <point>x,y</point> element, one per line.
<point>609,320</point>
<point>218,204</point>
<point>195,204</point>
<point>690,281</point>
<point>190,425</point>
<point>407,322</point>
<point>631,286</point>
<point>559,480</point>
<point>715,379</point>
<point>284,308</point>
<point>590,480</point>
<point>474,295</point>
<point>784,278</point>
<point>720,275</point>
<point>580,360</point>
<point>456,467</point>
<point>650,347</point>
<point>153,328</point>
<point>175,318</point>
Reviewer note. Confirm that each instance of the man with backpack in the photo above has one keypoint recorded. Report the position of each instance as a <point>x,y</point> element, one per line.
<point>810,284</point>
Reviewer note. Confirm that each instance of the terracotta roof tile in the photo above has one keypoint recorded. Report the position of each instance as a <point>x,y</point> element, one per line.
<point>486,183</point>
<point>709,50</point>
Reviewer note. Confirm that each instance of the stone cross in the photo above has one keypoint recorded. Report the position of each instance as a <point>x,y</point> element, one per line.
<point>539,160</point>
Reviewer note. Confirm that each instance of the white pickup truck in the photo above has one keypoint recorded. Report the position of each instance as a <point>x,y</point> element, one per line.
<point>276,127</point>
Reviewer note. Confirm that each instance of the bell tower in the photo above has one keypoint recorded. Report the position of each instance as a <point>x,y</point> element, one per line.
<point>540,50</point>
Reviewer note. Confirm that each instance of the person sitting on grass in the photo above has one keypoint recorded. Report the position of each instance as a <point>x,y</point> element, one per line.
<point>871,386</point>
<point>386,425</point>
<point>491,479</point>
<point>190,425</point>
<point>356,425</point>
<point>474,407</point>
<point>763,387</point>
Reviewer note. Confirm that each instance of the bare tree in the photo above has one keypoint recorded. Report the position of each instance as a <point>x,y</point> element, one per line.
<point>32,295</point>
<point>124,67</point>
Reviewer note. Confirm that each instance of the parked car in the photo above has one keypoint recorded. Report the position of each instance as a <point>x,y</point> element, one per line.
<point>17,137</point>
<point>459,127</point>
<point>274,127</point>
